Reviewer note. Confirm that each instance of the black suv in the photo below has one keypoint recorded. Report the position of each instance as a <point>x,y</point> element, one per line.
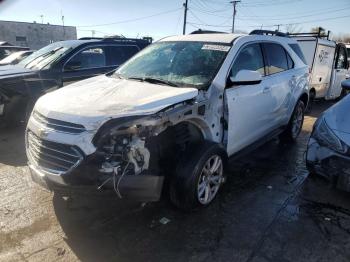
<point>57,65</point>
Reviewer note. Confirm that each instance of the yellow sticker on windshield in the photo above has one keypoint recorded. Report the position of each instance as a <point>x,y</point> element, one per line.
<point>223,48</point>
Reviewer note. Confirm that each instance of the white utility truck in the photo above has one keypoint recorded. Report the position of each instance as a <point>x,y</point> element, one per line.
<point>328,64</point>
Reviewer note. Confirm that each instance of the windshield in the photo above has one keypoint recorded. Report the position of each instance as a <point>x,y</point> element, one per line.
<point>45,56</point>
<point>179,63</point>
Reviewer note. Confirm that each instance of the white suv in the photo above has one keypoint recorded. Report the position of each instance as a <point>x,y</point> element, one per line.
<point>170,117</point>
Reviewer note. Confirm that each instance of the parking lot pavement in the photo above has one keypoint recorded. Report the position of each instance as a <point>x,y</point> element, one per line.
<point>269,210</point>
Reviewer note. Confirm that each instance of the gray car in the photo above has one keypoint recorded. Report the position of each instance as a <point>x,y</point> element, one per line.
<point>328,152</point>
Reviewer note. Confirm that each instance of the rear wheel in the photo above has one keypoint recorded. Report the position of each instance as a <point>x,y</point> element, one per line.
<point>295,124</point>
<point>198,177</point>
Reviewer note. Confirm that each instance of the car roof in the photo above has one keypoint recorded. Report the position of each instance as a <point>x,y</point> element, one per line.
<point>214,38</point>
<point>126,41</point>
<point>227,38</point>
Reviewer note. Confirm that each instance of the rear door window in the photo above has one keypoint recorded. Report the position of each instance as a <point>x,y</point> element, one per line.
<point>117,55</point>
<point>250,58</point>
<point>94,57</point>
<point>276,56</point>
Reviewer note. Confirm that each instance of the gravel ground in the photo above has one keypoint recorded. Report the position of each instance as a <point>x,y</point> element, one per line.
<point>269,210</point>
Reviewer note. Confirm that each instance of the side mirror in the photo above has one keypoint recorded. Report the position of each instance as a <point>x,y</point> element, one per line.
<point>72,65</point>
<point>346,84</point>
<point>246,77</point>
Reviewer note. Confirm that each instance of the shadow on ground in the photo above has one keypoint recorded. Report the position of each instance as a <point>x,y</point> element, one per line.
<point>12,149</point>
<point>236,227</point>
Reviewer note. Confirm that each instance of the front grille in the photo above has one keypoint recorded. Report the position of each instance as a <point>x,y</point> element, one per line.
<point>58,125</point>
<point>51,156</point>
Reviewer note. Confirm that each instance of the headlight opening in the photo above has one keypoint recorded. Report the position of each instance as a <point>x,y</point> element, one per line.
<point>326,137</point>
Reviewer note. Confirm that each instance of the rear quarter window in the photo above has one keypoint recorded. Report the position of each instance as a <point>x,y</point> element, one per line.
<point>296,48</point>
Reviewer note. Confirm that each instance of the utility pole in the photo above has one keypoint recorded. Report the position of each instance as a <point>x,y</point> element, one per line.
<point>185,17</point>
<point>42,18</point>
<point>278,27</point>
<point>234,13</point>
<point>64,31</point>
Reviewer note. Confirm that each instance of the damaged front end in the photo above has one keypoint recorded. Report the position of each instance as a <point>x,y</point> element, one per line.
<point>124,153</point>
<point>328,156</point>
<point>130,155</point>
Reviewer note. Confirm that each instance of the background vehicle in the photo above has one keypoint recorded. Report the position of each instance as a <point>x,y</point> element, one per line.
<point>328,62</point>
<point>328,147</point>
<point>6,50</point>
<point>15,57</point>
<point>174,112</point>
<point>57,65</point>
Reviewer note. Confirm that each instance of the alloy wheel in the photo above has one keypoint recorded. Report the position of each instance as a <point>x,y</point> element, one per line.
<point>210,179</point>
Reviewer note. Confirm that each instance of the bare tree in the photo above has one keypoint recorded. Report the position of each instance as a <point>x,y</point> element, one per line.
<point>345,38</point>
<point>293,28</point>
<point>319,29</point>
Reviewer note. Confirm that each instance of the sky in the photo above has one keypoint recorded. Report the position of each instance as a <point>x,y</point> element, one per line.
<point>160,18</point>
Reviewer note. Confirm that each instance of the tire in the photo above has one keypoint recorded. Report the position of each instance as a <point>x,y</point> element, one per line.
<point>191,186</point>
<point>295,124</point>
<point>14,112</point>
<point>343,94</point>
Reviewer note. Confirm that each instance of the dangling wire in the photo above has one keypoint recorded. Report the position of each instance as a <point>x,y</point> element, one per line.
<point>115,174</point>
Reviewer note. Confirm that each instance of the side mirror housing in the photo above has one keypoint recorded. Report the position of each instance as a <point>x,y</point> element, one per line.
<point>71,66</point>
<point>346,84</point>
<point>246,77</point>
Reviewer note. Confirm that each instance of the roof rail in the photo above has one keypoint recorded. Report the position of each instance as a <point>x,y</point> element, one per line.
<point>124,39</point>
<point>119,38</point>
<point>90,38</point>
<point>200,31</point>
<point>268,32</point>
<point>319,34</point>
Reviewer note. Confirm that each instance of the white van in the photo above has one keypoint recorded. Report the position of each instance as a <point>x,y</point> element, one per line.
<point>328,64</point>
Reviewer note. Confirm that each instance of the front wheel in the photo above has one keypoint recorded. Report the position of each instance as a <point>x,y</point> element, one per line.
<point>295,124</point>
<point>198,177</point>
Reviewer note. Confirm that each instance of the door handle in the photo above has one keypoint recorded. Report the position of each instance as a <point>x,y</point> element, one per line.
<point>266,89</point>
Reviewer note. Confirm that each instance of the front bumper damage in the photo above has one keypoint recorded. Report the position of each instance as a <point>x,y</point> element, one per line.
<point>329,164</point>
<point>139,188</point>
<point>53,165</point>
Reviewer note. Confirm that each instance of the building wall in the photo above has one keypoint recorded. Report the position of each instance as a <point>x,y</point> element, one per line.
<point>35,35</point>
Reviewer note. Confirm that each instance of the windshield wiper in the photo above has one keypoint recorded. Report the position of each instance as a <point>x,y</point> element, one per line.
<point>43,56</point>
<point>153,80</point>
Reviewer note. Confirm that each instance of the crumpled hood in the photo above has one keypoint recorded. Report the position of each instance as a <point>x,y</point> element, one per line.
<point>337,116</point>
<point>93,101</point>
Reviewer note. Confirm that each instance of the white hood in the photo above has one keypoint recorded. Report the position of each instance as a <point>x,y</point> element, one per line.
<point>93,101</point>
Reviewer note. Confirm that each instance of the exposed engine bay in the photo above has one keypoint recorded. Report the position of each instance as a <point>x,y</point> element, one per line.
<point>142,147</point>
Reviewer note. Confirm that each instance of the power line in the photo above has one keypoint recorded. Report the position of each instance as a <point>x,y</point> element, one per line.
<point>132,20</point>
<point>295,17</point>
<point>259,4</point>
<point>298,13</point>
<point>273,25</point>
